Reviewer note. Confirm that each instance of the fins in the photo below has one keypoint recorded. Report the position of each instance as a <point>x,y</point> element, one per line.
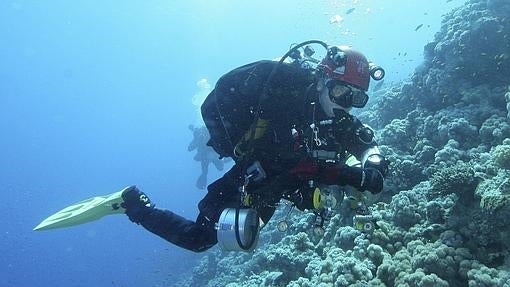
<point>85,211</point>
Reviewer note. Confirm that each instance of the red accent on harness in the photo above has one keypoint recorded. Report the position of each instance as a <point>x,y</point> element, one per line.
<point>330,174</point>
<point>306,169</point>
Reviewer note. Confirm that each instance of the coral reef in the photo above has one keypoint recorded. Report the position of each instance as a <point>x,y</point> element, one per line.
<point>459,178</point>
<point>501,155</point>
<point>445,216</point>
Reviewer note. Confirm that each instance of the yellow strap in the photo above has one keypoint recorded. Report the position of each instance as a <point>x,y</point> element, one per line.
<point>248,200</point>
<point>316,198</point>
<point>260,129</point>
<point>352,161</point>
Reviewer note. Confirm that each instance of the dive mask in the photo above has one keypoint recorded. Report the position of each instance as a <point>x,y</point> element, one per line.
<point>346,95</point>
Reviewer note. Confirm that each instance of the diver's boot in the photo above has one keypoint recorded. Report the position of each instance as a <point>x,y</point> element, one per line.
<point>136,203</point>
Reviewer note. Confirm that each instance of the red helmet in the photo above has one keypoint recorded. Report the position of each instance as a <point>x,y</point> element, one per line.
<point>346,65</point>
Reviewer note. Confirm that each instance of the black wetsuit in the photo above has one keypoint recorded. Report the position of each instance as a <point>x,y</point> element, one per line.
<point>290,108</point>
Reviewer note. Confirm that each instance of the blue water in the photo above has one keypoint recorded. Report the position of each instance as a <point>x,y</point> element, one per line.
<point>97,95</point>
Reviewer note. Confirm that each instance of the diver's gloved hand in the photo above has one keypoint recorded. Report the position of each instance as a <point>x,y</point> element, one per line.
<point>136,203</point>
<point>372,180</point>
<point>362,179</point>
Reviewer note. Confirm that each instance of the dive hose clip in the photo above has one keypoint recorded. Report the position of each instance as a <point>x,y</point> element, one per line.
<point>256,172</point>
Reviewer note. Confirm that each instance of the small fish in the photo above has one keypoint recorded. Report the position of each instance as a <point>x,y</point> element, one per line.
<point>448,1</point>
<point>501,56</point>
<point>418,27</point>
<point>405,54</point>
<point>349,11</point>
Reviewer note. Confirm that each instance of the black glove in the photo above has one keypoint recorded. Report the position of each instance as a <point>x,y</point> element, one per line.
<point>371,180</point>
<point>136,203</point>
<point>360,178</point>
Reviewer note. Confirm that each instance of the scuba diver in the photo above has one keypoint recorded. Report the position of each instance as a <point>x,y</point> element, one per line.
<point>289,129</point>
<point>205,154</point>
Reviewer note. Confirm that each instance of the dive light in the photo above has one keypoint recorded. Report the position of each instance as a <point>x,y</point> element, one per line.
<point>376,72</point>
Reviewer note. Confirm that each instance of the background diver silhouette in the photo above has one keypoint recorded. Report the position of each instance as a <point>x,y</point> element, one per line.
<point>204,153</point>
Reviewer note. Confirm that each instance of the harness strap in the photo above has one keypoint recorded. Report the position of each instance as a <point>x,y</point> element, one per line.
<point>243,147</point>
